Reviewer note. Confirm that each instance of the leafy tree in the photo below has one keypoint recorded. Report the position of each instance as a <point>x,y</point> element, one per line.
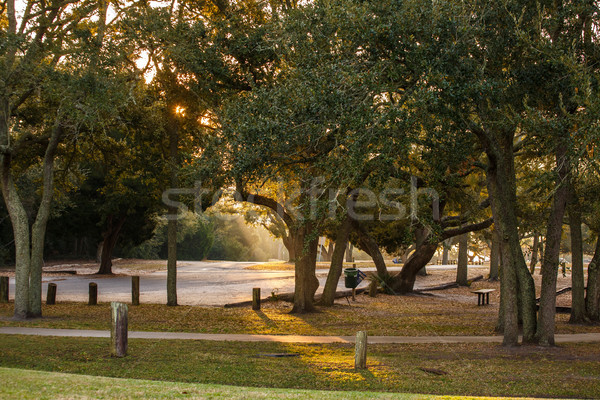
<point>58,82</point>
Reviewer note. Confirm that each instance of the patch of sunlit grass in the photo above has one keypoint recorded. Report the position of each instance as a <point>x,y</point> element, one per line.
<point>463,369</point>
<point>383,315</point>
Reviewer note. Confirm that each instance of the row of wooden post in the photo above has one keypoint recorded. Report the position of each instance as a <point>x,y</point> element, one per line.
<point>93,292</point>
<point>119,317</point>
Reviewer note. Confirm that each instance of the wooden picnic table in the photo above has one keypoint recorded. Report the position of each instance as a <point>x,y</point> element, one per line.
<point>483,296</point>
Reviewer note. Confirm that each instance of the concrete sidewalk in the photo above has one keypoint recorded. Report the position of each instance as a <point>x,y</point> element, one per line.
<point>560,338</point>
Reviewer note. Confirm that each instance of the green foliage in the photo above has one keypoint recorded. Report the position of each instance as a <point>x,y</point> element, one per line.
<point>195,238</point>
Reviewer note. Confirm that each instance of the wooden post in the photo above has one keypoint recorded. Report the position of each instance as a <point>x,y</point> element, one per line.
<point>360,355</point>
<point>256,298</point>
<point>3,289</point>
<point>373,288</point>
<point>93,299</point>
<point>118,331</point>
<point>51,294</point>
<point>135,290</point>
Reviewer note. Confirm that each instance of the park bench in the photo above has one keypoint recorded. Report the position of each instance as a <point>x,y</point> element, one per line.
<point>483,296</point>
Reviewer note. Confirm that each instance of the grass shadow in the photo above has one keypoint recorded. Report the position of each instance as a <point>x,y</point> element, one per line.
<point>267,321</point>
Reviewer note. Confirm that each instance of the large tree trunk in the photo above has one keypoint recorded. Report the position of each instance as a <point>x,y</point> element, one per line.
<point>38,230</point>
<point>337,263</point>
<point>370,246</point>
<point>110,237</point>
<point>534,253</point>
<point>547,312</point>
<point>502,189</point>
<point>495,257</point>
<point>306,282</point>
<point>29,260</point>
<point>577,280</point>
<point>20,224</point>
<point>404,282</point>
<point>463,260</point>
<point>592,298</point>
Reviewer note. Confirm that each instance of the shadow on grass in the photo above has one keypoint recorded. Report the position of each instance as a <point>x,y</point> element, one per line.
<point>268,321</point>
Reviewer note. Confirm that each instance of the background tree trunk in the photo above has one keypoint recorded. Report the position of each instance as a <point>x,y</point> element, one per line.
<point>534,253</point>
<point>446,245</point>
<point>463,260</point>
<point>337,263</point>
<point>541,250</point>
<point>592,299</point>
<point>173,133</point>
<point>111,235</point>
<point>577,280</point>
<point>502,189</point>
<point>547,312</point>
<point>349,250</point>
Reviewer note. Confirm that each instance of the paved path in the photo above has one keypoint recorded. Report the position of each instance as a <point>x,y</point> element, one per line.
<point>213,283</point>
<point>206,283</point>
<point>561,338</point>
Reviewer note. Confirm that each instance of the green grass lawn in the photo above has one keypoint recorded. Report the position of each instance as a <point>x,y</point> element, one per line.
<point>28,384</point>
<point>476,369</point>
<point>383,315</point>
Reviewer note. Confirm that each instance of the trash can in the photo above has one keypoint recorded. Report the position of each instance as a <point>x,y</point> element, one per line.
<point>350,277</point>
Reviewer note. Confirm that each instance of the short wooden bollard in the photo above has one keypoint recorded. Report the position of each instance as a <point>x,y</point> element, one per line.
<point>93,298</point>
<point>3,289</point>
<point>135,290</point>
<point>118,331</point>
<point>256,298</point>
<point>51,294</point>
<point>360,351</point>
<point>373,288</point>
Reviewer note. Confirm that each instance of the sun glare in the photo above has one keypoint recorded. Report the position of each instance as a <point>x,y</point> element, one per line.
<point>180,111</point>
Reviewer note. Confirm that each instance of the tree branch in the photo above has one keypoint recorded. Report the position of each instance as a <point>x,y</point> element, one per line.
<point>266,202</point>
<point>467,228</point>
